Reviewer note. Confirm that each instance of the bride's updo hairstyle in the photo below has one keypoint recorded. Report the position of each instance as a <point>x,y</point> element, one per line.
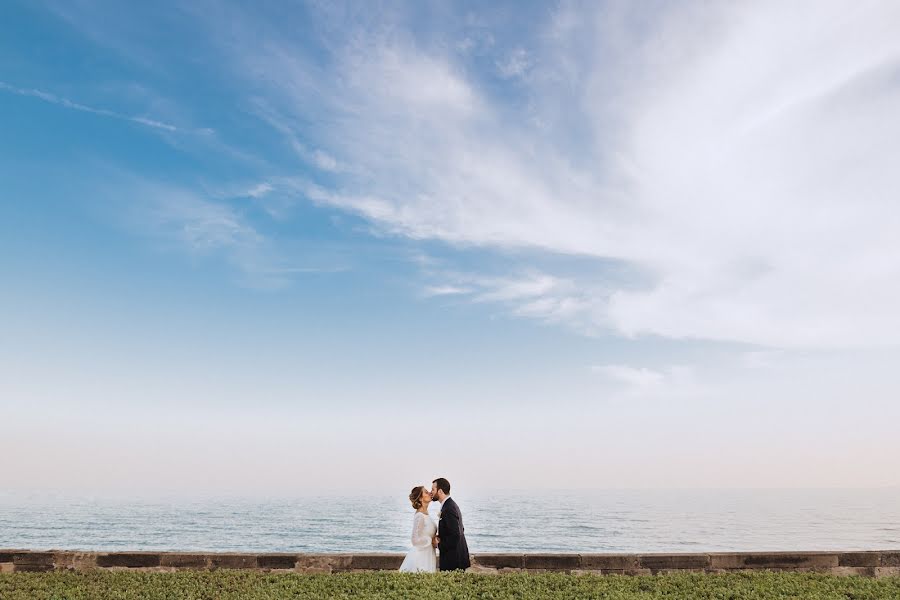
<point>415,497</point>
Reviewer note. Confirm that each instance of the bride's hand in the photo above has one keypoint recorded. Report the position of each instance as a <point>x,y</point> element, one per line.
<point>435,541</point>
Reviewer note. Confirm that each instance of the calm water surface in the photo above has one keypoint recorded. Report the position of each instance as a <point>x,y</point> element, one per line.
<point>602,521</point>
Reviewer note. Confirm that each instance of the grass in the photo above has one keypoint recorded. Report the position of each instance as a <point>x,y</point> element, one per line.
<point>249,585</point>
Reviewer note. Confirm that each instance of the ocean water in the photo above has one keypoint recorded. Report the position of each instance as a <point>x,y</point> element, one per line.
<point>515,521</point>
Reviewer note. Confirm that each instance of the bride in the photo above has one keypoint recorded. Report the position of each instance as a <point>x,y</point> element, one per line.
<point>421,558</point>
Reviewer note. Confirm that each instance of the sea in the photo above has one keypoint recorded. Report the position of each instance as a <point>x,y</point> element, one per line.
<point>637,521</point>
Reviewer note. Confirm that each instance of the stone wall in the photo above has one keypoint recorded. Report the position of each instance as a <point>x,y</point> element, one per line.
<point>870,564</point>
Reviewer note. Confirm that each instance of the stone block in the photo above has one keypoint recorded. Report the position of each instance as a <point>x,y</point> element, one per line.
<point>553,562</point>
<point>773,560</point>
<point>852,571</point>
<point>376,562</point>
<point>6,557</point>
<point>322,563</point>
<point>7,567</point>
<point>859,559</point>
<point>657,562</point>
<point>33,561</point>
<point>677,570</point>
<point>183,560</point>
<point>276,561</point>
<point>586,572</point>
<point>77,561</point>
<point>890,559</point>
<point>609,562</point>
<point>727,560</point>
<point>232,561</point>
<point>499,561</point>
<point>63,559</point>
<point>476,568</point>
<point>887,571</point>
<point>131,560</point>
<point>33,557</point>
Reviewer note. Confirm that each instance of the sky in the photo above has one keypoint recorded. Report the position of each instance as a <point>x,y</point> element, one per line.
<point>322,247</point>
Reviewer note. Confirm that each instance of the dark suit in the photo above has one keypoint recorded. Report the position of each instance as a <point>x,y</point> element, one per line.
<point>453,547</point>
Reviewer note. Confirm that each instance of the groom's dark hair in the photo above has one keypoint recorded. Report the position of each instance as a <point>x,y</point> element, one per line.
<point>442,484</point>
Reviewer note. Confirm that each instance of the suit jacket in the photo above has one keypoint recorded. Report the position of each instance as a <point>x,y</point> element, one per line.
<point>454,550</point>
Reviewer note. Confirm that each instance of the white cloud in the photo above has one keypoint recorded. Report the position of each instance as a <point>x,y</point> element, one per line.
<point>445,290</point>
<point>202,227</point>
<point>215,224</point>
<point>640,377</point>
<point>762,359</point>
<point>544,297</point>
<point>536,285</point>
<point>400,80</point>
<point>532,294</point>
<point>671,383</point>
<point>259,190</point>
<point>318,158</point>
<point>325,161</point>
<point>741,154</point>
<point>515,64</point>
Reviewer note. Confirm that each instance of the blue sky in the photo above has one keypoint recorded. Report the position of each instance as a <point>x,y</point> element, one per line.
<point>608,245</point>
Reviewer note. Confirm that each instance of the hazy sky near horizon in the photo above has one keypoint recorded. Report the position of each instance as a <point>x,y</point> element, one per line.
<point>292,247</point>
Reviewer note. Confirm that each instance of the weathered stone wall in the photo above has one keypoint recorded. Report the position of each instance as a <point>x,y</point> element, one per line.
<point>871,564</point>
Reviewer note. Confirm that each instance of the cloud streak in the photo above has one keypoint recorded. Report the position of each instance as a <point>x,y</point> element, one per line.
<point>671,383</point>
<point>533,294</point>
<point>66,103</point>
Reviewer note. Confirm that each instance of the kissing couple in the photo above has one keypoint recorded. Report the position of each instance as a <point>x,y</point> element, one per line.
<point>448,535</point>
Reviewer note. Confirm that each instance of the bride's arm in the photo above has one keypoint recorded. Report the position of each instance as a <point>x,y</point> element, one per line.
<point>419,538</point>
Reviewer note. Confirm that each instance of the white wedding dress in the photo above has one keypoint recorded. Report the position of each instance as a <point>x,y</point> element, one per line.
<point>421,559</point>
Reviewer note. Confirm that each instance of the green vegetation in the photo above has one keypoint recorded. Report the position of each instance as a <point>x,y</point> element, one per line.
<point>249,585</point>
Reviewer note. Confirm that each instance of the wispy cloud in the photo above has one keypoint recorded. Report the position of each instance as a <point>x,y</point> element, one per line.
<point>741,154</point>
<point>289,130</point>
<point>532,294</point>
<point>201,225</point>
<point>640,377</point>
<point>65,102</point>
<point>673,382</point>
<point>762,359</point>
<point>204,228</point>
<point>515,64</point>
<point>445,290</point>
<point>259,190</point>
<point>749,169</point>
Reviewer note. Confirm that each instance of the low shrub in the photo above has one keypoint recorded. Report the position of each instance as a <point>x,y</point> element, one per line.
<point>249,585</point>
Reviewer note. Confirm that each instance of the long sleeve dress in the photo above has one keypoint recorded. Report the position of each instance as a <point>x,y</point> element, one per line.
<point>421,559</point>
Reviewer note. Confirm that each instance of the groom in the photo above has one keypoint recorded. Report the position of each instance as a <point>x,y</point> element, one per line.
<point>451,538</point>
